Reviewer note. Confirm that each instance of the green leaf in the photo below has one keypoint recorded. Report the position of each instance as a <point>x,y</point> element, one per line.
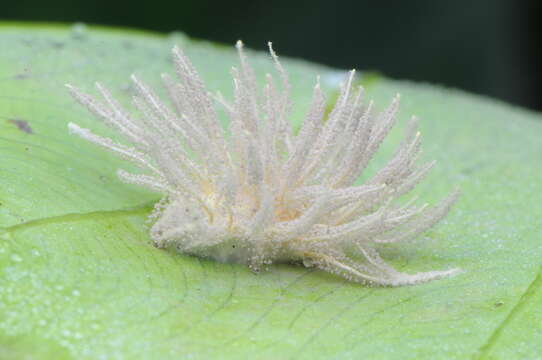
<point>80,280</point>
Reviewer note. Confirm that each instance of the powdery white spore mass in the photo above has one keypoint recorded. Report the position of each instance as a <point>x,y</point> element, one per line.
<point>261,194</point>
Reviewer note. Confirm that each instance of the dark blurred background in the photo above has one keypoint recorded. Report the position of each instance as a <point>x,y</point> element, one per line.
<point>489,47</point>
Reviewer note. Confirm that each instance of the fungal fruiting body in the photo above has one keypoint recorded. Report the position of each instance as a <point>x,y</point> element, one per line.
<point>262,194</point>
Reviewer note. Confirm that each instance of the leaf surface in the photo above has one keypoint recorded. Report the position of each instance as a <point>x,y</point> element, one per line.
<point>79,279</point>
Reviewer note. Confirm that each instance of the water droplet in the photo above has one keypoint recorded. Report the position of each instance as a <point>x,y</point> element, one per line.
<point>35,252</point>
<point>79,31</point>
<point>42,322</point>
<point>16,258</point>
<point>76,293</point>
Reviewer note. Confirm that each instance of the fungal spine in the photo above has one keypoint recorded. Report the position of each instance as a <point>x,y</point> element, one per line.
<point>263,194</point>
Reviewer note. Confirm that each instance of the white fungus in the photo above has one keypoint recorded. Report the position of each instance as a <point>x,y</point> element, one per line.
<point>263,195</point>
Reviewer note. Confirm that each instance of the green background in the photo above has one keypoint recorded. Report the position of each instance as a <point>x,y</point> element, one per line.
<point>80,280</point>
<point>491,47</point>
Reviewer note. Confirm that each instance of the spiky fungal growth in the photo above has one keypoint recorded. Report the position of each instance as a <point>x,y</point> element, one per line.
<point>261,194</point>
